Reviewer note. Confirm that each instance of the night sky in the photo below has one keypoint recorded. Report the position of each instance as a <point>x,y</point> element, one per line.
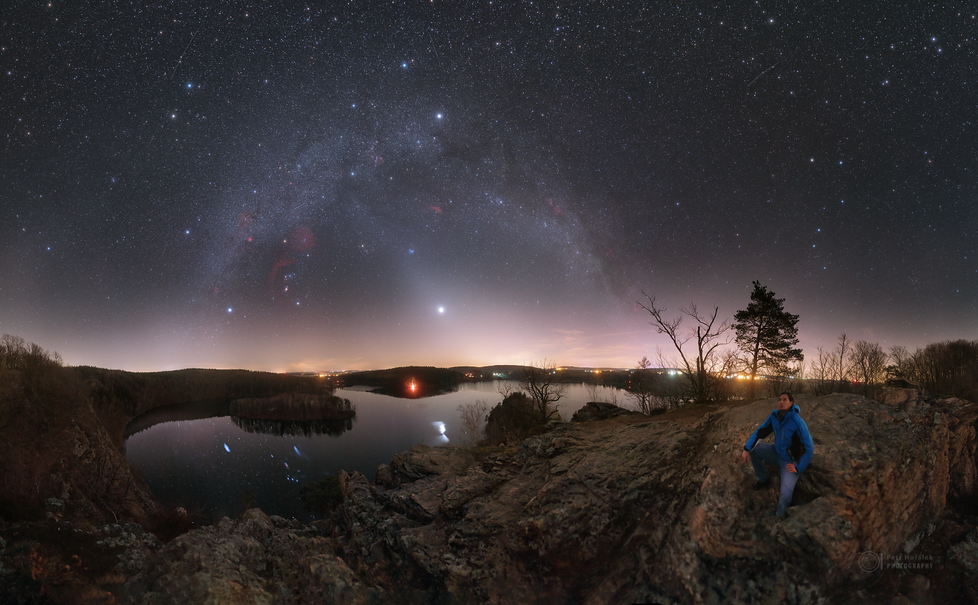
<point>286,186</point>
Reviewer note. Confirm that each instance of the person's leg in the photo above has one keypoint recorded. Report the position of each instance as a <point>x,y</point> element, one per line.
<point>788,481</point>
<point>762,452</point>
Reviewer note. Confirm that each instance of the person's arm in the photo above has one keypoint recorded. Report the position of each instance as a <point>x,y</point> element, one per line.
<point>762,431</point>
<point>806,441</point>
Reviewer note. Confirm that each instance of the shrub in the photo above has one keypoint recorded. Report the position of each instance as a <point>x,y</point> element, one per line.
<point>514,418</point>
<point>473,416</point>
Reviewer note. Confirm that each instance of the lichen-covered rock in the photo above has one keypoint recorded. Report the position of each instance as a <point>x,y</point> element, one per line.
<point>248,561</point>
<point>424,461</point>
<point>654,510</point>
<point>133,545</point>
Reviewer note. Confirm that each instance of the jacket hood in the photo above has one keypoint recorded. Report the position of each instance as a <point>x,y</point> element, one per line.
<point>794,408</point>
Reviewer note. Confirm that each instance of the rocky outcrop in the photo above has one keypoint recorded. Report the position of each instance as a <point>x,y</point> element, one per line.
<point>254,560</point>
<point>53,445</point>
<point>599,410</point>
<point>628,509</point>
<point>654,510</point>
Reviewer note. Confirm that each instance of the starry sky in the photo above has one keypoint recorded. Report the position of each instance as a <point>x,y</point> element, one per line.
<point>349,185</point>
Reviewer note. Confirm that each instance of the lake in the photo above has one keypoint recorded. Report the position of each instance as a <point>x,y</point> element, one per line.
<point>198,457</point>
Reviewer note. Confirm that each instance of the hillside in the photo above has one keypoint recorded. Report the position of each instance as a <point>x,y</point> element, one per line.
<point>62,431</point>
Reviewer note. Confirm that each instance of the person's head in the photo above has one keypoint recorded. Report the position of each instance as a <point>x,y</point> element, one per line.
<point>785,401</point>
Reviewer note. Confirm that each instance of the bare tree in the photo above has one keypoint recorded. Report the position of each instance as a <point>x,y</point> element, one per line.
<point>474,417</point>
<point>869,363</point>
<point>730,362</point>
<point>18,354</point>
<point>843,362</point>
<point>706,335</point>
<point>540,384</point>
<point>506,390</point>
<point>786,377</point>
<point>948,368</point>
<point>592,391</point>
<point>899,362</point>
<point>642,388</point>
<point>820,374</point>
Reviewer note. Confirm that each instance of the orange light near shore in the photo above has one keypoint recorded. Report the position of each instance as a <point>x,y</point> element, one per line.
<point>413,387</point>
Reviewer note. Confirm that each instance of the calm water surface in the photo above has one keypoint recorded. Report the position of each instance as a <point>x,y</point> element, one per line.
<point>217,468</point>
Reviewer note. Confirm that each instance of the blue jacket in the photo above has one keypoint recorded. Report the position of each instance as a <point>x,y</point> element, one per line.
<point>792,441</point>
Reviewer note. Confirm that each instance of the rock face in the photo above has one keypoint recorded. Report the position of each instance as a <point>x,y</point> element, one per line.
<point>631,509</point>
<point>599,410</point>
<point>652,510</point>
<point>255,560</point>
<point>54,445</point>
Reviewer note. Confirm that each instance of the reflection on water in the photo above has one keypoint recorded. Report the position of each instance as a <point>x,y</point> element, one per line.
<point>279,424</point>
<point>198,410</point>
<point>198,457</point>
<point>306,428</point>
<point>440,439</point>
<point>416,390</point>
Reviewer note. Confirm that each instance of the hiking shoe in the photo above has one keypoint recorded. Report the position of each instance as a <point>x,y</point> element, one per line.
<point>761,484</point>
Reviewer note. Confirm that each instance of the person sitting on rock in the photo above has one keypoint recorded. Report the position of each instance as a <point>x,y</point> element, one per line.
<point>791,452</point>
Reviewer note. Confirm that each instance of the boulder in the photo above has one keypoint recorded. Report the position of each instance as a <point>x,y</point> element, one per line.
<point>599,410</point>
<point>248,561</point>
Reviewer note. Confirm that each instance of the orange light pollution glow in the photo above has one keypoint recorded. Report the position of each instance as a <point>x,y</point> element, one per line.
<point>468,333</point>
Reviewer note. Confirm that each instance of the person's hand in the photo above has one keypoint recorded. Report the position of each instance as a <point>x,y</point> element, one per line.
<point>791,468</point>
<point>745,456</point>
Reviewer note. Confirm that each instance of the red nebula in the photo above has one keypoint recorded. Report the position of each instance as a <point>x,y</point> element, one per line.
<point>558,211</point>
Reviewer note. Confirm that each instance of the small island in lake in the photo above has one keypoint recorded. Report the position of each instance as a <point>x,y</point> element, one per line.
<point>294,414</point>
<point>294,406</point>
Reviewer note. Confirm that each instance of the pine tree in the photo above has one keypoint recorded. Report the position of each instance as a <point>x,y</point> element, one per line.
<point>766,334</point>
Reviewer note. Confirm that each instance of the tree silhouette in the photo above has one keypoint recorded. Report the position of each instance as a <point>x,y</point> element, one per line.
<point>703,371</point>
<point>642,387</point>
<point>539,382</point>
<point>766,334</point>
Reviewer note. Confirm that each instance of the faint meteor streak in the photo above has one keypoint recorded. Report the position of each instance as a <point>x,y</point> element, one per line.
<point>761,74</point>
<point>180,60</point>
